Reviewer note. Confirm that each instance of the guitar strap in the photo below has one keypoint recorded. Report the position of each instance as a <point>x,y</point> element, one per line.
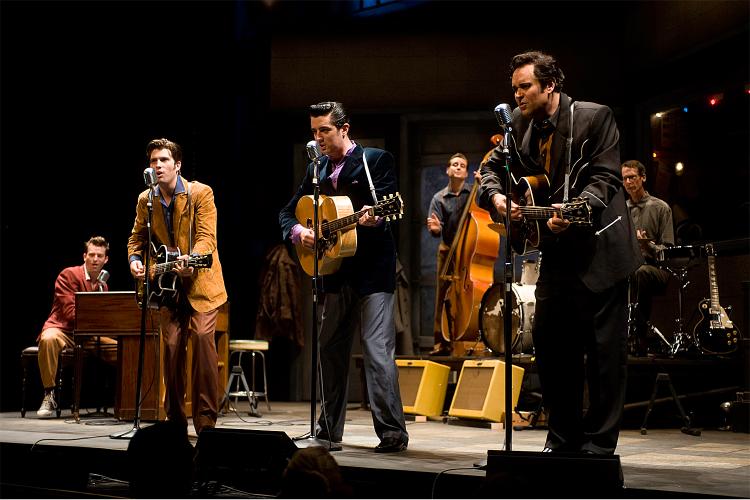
<point>190,227</point>
<point>369,179</point>
<point>372,189</point>
<point>568,155</point>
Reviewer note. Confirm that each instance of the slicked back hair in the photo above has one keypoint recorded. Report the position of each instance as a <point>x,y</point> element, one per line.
<point>335,109</point>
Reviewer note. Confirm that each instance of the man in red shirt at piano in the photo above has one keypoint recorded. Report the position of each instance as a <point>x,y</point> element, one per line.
<point>57,332</point>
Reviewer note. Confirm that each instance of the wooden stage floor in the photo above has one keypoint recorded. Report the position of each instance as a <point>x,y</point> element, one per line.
<point>664,463</point>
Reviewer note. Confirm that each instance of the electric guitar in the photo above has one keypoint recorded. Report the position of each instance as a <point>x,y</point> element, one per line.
<point>715,332</point>
<point>337,237</point>
<point>162,280</point>
<point>525,234</point>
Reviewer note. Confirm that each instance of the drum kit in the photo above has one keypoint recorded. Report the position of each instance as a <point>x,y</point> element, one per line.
<point>492,311</point>
<point>676,260</point>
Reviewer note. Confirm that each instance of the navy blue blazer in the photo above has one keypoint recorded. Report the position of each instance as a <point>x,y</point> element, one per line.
<point>373,267</point>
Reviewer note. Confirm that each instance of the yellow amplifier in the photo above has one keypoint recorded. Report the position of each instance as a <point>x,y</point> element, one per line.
<point>423,384</point>
<point>480,392</point>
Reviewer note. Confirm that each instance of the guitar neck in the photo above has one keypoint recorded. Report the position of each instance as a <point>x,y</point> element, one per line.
<point>713,285</point>
<point>166,267</point>
<point>532,212</point>
<point>339,224</point>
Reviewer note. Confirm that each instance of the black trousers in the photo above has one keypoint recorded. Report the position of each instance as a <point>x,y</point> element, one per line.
<point>581,337</point>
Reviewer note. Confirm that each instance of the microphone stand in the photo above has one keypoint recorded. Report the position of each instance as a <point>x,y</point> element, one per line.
<point>508,306</point>
<point>144,312</point>
<point>314,358</point>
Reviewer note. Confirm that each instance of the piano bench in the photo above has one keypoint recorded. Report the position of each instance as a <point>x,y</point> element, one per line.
<point>29,361</point>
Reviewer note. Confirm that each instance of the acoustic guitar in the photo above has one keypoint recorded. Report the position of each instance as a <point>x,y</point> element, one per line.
<point>715,332</point>
<point>337,237</point>
<point>163,284</point>
<point>525,234</point>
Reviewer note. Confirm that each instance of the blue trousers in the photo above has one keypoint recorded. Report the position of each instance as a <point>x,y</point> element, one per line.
<point>345,314</point>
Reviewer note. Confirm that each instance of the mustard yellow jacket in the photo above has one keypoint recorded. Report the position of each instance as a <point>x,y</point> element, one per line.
<point>205,289</point>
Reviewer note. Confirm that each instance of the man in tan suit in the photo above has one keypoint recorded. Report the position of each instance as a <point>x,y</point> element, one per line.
<point>184,218</point>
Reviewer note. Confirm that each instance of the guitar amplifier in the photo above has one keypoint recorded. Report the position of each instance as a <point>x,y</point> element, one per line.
<point>423,385</point>
<point>480,392</point>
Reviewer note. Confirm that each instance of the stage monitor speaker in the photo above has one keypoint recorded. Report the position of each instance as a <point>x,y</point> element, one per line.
<point>528,474</point>
<point>423,384</point>
<point>252,460</point>
<point>480,392</point>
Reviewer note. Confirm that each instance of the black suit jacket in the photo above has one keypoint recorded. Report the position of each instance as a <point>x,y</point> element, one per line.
<point>606,253</point>
<point>373,267</point>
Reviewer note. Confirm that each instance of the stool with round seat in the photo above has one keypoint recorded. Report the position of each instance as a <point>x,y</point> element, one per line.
<point>237,375</point>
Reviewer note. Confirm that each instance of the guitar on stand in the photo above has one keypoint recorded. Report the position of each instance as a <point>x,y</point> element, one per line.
<point>714,333</point>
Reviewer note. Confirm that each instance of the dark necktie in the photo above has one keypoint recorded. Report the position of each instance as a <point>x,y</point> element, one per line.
<point>545,129</point>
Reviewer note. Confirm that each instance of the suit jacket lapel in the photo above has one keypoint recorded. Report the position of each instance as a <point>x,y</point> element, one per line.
<point>352,163</point>
<point>559,141</point>
<point>181,216</point>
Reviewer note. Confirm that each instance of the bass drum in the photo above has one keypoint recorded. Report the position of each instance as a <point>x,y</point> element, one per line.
<point>492,322</point>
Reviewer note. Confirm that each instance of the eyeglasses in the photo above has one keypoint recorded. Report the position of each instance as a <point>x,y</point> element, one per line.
<point>630,178</point>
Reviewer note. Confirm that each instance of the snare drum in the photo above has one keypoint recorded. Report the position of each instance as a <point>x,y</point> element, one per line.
<point>492,322</point>
<point>529,272</point>
<point>679,257</point>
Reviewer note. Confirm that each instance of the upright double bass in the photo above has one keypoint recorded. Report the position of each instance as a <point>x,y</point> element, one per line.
<point>468,269</point>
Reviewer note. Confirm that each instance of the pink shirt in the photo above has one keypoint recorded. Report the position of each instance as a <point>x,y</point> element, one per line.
<point>297,229</point>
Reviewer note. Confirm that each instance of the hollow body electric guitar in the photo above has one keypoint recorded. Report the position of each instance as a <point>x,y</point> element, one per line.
<point>337,237</point>
<point>163,280</point>
<point>527,192</point>
<point>715,332</point>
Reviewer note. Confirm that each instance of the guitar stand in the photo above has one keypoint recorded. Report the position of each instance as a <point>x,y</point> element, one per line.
<point>686,428</point>
<point>535,414</point>
<point>682,340</point>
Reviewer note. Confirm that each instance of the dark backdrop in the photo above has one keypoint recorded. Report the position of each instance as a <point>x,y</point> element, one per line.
<point>85,85</point>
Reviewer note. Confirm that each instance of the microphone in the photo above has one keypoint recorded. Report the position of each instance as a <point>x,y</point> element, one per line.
<point>149,177</point>
<point>504,115</point>
<point>103,276</point>
<point>313,150</point>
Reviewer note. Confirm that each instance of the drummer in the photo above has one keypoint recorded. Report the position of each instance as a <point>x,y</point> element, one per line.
<point>652,219</point>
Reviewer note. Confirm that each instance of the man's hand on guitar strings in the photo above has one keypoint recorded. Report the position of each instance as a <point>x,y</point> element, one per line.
<point>557,224</point>
<point>515,210</point>
<point>137,270</point>
<point>307,238</point>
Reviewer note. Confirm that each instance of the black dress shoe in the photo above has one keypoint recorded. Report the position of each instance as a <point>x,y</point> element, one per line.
<point>323,436</point>
<point>390,445</point>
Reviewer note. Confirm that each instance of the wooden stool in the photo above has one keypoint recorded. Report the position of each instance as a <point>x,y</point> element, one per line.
<point>29,357</point>
<point>253,347</point>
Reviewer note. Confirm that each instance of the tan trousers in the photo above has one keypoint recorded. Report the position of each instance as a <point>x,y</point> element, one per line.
<point>53,340</point>
<point>176,329</point>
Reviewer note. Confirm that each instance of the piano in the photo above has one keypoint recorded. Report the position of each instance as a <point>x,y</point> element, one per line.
<point>117,315</point>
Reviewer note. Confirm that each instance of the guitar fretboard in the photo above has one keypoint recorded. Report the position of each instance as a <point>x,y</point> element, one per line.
<point>533,212</point>
<point>166,267</point>
<point>343,222</point>
<point>712,284</point>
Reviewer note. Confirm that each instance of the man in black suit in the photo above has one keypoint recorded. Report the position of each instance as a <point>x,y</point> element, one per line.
<point>358,298</point>
<point>580,326</point>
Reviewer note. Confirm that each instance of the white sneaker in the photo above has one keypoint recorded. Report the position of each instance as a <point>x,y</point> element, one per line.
<point>48,405</point>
